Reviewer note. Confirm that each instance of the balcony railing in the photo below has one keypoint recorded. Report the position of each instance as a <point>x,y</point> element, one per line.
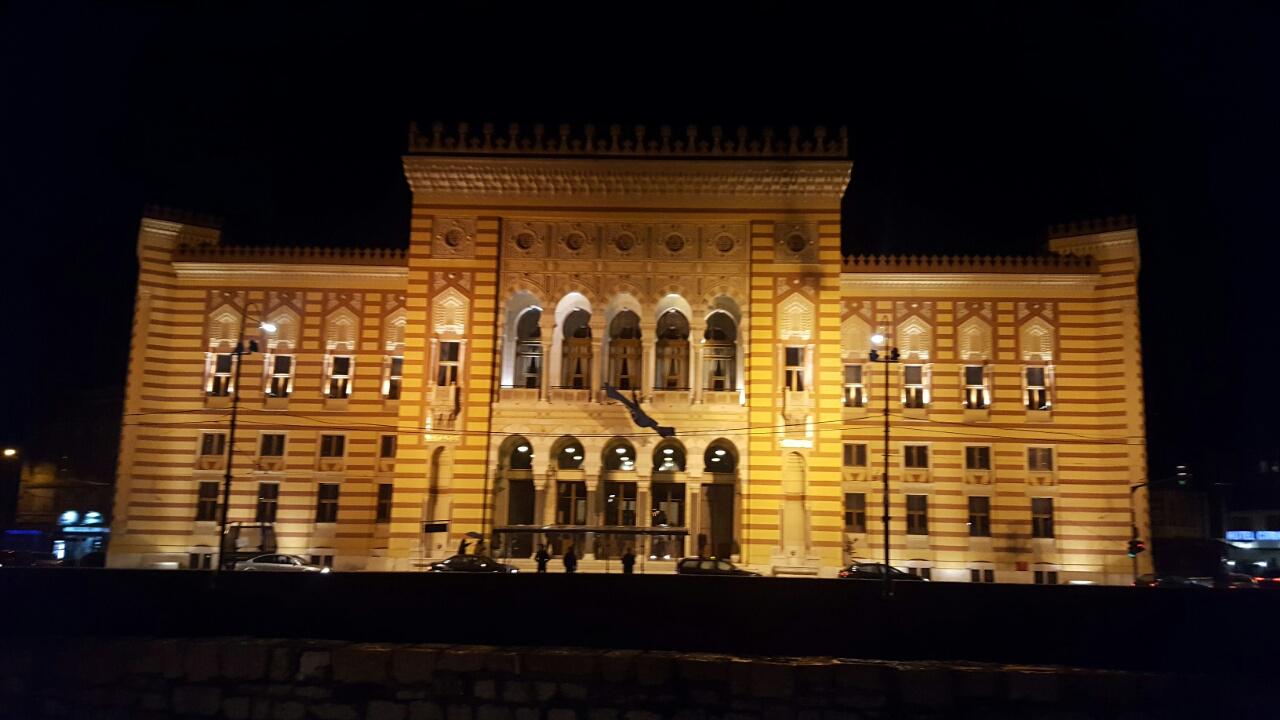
<point>569,395</point>
<point>510,393</point>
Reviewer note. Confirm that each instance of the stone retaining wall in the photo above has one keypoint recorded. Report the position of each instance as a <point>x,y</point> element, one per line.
<point>241,678</point>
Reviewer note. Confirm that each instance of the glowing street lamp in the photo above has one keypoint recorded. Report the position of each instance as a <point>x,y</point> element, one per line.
<point>878,340</point>
<point>10,452</point>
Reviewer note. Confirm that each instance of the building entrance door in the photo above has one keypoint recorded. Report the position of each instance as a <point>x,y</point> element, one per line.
<point>520,512</point>
<point>719,527</point>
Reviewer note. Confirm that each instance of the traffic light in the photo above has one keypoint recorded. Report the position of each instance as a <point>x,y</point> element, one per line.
<point>1136,547</point>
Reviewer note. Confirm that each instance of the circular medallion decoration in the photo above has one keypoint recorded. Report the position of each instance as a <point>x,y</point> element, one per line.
<point>724,243</point>
<point>624,242</point>
<point>796,242</point>
<point>454,237</point>
<point>525,240</point>
<point>574,241</point>
<point>675,243</point>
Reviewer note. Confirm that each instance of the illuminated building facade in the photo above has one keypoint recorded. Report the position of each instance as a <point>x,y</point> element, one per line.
<point>458,386</point>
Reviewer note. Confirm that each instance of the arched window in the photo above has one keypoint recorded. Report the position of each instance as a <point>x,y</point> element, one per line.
<point>576,361</point>
<point>619,455</point>
<point>520,454</point>
<point>569,453</point>
<point>672,352</point>
<point>624,351</point>
<point>668,457</point>
<point>529,349</point>
<point>720,352</point>
<point>721,457</point>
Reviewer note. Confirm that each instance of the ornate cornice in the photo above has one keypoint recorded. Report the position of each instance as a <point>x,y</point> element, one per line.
<point>321,275</point>
<point>585,142</point>
<point>979,264</point>
<point>816,184</point>
<point>853,282</point>
<point>1093,226</point>
<point>212,253</point>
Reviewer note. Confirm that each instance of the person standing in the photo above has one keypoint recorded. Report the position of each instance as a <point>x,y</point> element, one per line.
<point>542,557</point>
<point>462,546</point>
<point>628,562</point>
<point>570,560</point>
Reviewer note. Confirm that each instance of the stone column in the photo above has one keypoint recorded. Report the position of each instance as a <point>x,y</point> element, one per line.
<point>649,359</point>
<point>597,359</point>
<point>693,511</point>
<point>640,545</point>
<point>547,333</point>
<point>540,483</point>
<point>696,349</point>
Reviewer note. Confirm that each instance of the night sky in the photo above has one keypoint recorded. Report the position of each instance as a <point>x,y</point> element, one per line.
<point>974,127</point>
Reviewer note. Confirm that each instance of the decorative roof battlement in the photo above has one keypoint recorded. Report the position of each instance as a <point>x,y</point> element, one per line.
<point>182,217</point>
<point>1093,226</point>
<point>208,252</point>
<point>1010,264</point>
<point>587,142</point>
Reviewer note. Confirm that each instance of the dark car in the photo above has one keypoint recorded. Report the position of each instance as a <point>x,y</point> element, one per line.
<point>1165,581</point>
<point>472,564</point>
<point>875,571</point>
<point>25,558</point>
<point>710,566</point>
<point>1269,579</point>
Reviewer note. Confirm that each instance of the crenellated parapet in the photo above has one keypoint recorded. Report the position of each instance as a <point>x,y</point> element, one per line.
<point>638,141</point>
<point>1093,226</point>
<point>970,264</point>
<point>206,252</point>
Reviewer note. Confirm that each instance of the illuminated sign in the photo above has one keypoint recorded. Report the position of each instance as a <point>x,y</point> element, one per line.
<point>1251,535</point>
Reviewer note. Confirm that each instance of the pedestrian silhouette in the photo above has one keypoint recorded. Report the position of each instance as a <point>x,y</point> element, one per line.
<point>570,560</point>
<point>462,547</point>
<point>543,557</point>
<point>628,562</point>
<point>480,547</point>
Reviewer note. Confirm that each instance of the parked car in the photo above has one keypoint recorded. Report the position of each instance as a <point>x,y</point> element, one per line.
<point>710,566</point>
<point>472,564</point>
<point>278,563</point>
<point>1166,581</point>
<point>1230,581</point>
<point>1269,579</point>
<point>27,558</point>
<point>875,571</point>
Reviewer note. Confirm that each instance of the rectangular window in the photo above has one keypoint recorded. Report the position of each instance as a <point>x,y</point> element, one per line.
<point>1037,388</point>
<point>387,447</point>
<point>982,575</point>
<point>979,516</point>
<point>855,455</point>
<point>913,386</point>
<point>447,372</point>
<point>915,456</point>
<point>199,561</point>
<point>1042,517</point>
<point>340,377</point>
<point>271,445</point>
<point>322,560</point>
<point>220,376</point>
<point>917,514</point>
<point>1046,577</point>
<point>207,501</point>
<point>213,444</point>
<point>977,457</point>
<point>281,384</point>
<point>975,387</point>
<point>395,375</point>
<point>383,511</point>
<point>855,393</point>
<point>924,572</point>
<point>332,446</point>
<point>268,498</point>
<point>327,503</point>
<point>794,366</point>
<point>1040,459</point>
<point>855,512</point>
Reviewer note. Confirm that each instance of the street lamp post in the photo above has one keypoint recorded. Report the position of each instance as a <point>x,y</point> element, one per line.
<point>239,352</point>
<point>892,357</point>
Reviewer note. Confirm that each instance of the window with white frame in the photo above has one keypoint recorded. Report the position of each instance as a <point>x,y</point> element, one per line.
<point>915,456</point>
<point>207,501</point>
<point>280,384</point>
<point>855,393</point>
<point>793,361</point>
<point>271,445</point>
<point>1037,381</point>
<point>213,444</point>
<point>977,457</point>
<point>339,384</point>
<point>855,455</point>
<point>1040,459</point>
<point>395,375</point>
<point>327,503</point>
<point>1042,517</point>
<point>219,382</point>
<point>975,387</point>
<point>917,514</point>
<point>332,446</point>
<point>447,366</point>
<point>914,386</point>
<point>855,512</point>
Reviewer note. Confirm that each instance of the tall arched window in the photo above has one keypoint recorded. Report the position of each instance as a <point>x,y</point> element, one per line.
<point>576,361</point>
<point>668,457</point>
<point>672,370</point>
<point>721,457</point>
<point>529,349</point>
<point>624,351</point>
<point>720,353</point>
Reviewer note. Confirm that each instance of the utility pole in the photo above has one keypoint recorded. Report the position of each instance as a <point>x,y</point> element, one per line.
<point>879,339</point>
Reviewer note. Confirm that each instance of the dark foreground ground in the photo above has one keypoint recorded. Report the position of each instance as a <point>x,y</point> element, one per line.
<point>1163,631</point>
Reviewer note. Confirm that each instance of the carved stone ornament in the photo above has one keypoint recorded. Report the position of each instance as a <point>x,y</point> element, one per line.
<point>795,318</point>
<point>454,237</point>
<point>576,240</point>
<point>525,239</point>
<point>903,308</point>
<point>449,312</point>
<point>796,242</point>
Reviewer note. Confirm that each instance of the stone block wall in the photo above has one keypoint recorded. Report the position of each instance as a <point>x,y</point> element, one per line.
<point>242,678</point>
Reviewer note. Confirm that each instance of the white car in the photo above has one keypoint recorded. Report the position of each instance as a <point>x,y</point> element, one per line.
<point>279,563</point>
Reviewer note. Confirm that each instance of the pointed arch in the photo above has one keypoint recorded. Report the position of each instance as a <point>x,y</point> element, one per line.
<point>341,329</point>
<point>915,339</point>
<point>1035,340</point>
<point>973,340</point>
<point>855,338</point>
<point>449,312</point>
<point>224,327</point>
<point>795,318</point>
<point>285,337</point>
<point>393,329</point>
